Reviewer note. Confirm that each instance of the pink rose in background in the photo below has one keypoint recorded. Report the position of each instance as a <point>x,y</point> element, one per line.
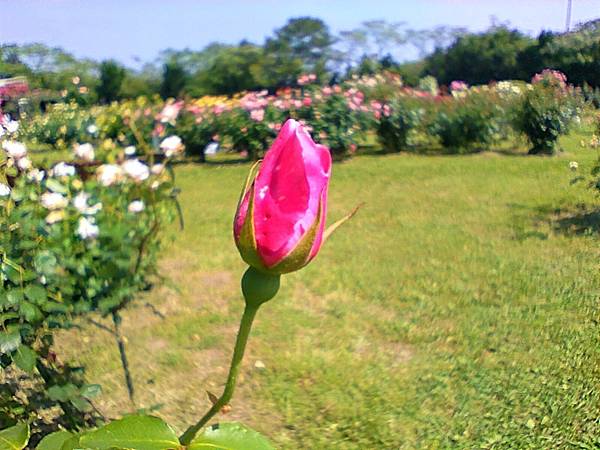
<point>279,224</point>
<point>170,112</point>
<point>159,129</point>
<point>257,115</point>
<point>458,85</point>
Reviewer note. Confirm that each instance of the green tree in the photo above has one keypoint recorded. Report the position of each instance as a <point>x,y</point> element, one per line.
<point>480,58</point>
<point>303,44</point>
<point>173,80</point>
<point>233,70</point>
<point>112,76</point>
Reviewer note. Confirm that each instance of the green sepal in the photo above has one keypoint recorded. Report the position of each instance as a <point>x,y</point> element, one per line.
<point>249,181</point>
<point>246,241</point>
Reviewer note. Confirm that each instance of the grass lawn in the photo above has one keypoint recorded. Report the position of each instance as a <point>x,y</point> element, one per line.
<point>458,309</point>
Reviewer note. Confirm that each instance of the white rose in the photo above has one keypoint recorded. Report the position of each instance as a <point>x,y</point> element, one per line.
<point>171,146</point>
<point>4,190</point>
<point>92,129</point>
<point>136,169</point>
<point>63,169</point>
<point>14,149</point>
<point>12,126</point>
<point>136,206</point>
<point>36,175</point>
<point>85,152</point>
<point>87,229</point>
<point>109,174</point>
<point>130,150</point>
<point>54,201</point>
<point>157,169</point>
<point>24,163</point>
<point>80,202</point>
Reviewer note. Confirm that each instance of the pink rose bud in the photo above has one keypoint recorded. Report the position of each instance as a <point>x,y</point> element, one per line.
<point>280,220</point>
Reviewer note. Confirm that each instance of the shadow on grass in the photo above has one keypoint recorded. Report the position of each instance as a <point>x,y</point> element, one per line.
<point>581,220</point>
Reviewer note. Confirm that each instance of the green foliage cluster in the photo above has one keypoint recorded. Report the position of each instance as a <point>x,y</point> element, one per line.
<point>399,121</point>
<point>470,120</point>
<point>502,53</point>
<point>137,432</point>
<point>62,125</point>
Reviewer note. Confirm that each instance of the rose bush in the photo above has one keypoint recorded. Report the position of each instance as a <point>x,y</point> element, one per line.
<point>546,111</point>
<point>76,237</point>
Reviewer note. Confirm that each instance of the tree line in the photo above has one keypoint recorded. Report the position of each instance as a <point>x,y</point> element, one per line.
<point>307,45</point>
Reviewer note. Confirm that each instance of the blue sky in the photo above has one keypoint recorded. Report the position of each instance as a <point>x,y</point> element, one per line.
<point>125,29</point>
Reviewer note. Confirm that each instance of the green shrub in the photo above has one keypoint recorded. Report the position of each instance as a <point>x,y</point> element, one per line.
<point>468,122</point>
<point>546,111</point>
<point>399,121</point>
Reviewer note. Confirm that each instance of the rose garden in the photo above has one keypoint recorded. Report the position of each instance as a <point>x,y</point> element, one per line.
<point>353,263</point>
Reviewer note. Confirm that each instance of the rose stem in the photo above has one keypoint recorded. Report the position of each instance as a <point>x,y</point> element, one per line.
<point>238,355</point>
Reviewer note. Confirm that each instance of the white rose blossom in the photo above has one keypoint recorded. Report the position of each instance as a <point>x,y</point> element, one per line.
<point>63,169</point>
<point>136,170</point>
<point>171,146</point>
<point>36,175</point>
<point>12,126</point>
<point>130,150</point>
<point>109,174</point>
<point>136,206</point>
<point>53,201</point>
<point>157,169</point>
<point>14,149</point>
<point>85,151</point>
<point>87,229</point>
<point>24,163</point>
<point>80,202</point>
<point>4,190</point>
<point>92,129</point>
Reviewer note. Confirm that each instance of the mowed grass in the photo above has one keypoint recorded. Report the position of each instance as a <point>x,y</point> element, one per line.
<point>458,309</point>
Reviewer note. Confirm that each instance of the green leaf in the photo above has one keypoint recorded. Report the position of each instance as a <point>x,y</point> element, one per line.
<point>132,432</point>
<point>30,312</point>
<point>36,293</point>
<point>9,342</point>
<point>14,438</point>
<point>14,296</point>
<point>63,393</point>
<point>230,436</point>
<point>81,404</point>
<point>8,316</point>
<point>91,390</point>
<point>12,273</point>
<point>56,186</point>
<point>45,263</point>
<point>71,443</point>
<point>25,358</point>
<point>54,441</point>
